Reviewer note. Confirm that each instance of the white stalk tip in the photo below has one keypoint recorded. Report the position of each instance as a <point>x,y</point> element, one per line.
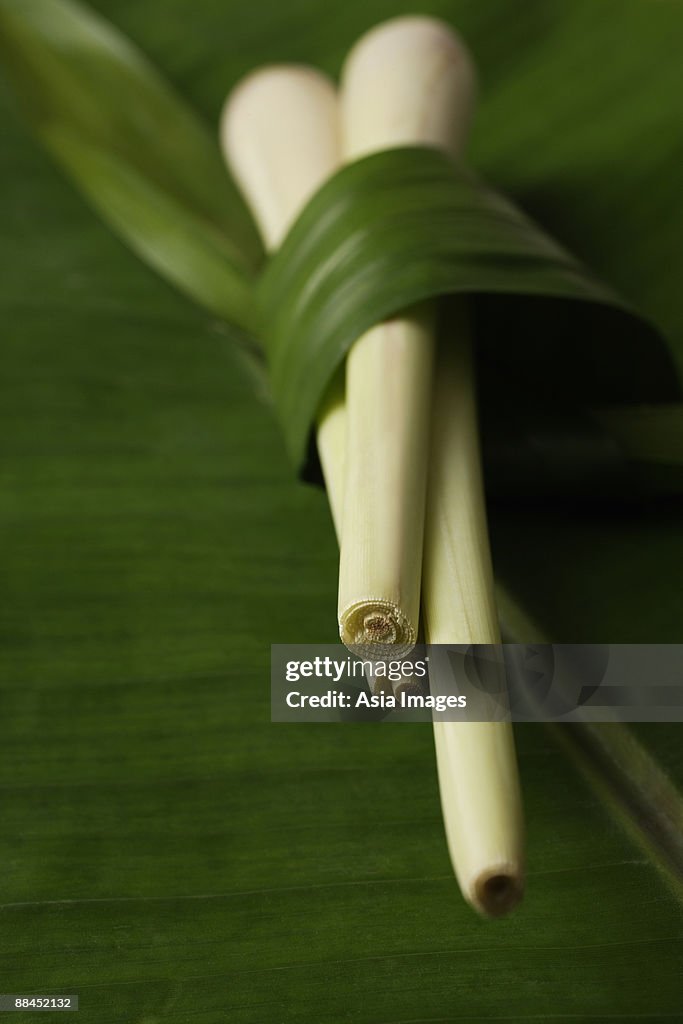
<point>408,81</point>
<point>279,133</point>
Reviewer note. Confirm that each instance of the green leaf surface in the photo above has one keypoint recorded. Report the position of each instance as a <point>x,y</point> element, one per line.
<point>137,151</point>
<point>406,225</point>
<point>166,852</point>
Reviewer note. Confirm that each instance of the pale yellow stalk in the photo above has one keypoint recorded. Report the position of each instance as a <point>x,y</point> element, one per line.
<point>280,137</point>
<point>279,134</point>
<point>407,82</point>
<point>476,761</point>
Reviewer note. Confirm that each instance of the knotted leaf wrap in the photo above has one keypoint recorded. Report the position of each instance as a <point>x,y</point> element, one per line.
<point>408,224</point>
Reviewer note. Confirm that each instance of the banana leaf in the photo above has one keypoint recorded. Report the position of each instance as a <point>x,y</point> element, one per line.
<point>166,852</point>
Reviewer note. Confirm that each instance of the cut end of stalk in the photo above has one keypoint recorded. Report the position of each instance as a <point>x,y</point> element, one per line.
<point>498,891</point>
<point>377,630</point>
<point>409,687</point>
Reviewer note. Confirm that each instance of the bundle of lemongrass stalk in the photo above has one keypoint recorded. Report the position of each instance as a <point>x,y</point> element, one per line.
<point>398,439</point>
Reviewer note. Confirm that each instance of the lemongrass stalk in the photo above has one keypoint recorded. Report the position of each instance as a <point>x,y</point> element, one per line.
<point>280,137</point>
<point>332,444</point>
<point>476,761</point>
<point>407,82</point>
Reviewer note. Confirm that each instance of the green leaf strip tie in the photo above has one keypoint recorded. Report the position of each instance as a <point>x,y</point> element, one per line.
<point>408,224</point>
